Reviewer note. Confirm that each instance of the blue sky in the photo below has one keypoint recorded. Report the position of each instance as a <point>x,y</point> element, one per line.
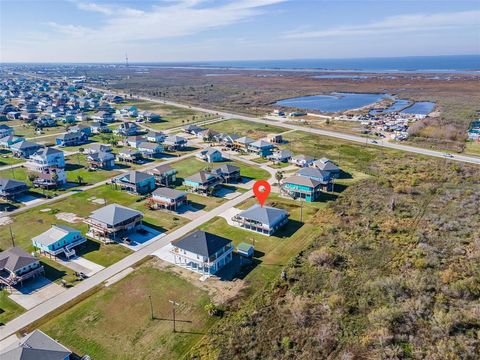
<point>199,30</point>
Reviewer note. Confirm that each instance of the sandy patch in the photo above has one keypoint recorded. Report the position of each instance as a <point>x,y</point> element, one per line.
<point>6,220</point>
<point>96,200</point>
<point>69,217</point>
<point>219,291</point>
<point>46,210</point>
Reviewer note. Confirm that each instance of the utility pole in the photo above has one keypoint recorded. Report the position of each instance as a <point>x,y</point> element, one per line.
<point>174,304</point>
<point>301,210</point>
<point>11,235</point>
<point>151,307</point>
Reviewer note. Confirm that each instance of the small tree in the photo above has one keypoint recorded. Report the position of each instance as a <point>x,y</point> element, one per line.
<point>81,149</point>
<point>211,309</point>
<point>279,176</point>
<point>32,177</point>
<point>79,179</point>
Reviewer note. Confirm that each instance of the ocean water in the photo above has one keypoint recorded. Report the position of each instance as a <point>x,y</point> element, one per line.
<point>452,64</point>
<point>333,102</point>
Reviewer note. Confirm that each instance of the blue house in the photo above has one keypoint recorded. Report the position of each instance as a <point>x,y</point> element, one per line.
<point>136,182</point>
<point>9,140</point>
<point>71,139</point>
<point>261,147</point>
<point>324,177</point>
<point>85,129</point>
<point>299,187</point>
<point>59,239</point>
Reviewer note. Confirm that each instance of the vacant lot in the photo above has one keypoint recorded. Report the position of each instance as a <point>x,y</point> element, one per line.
<point>116,323</point>
<point>245,128</point>
<point>172,116</point>
<point>28,131</point>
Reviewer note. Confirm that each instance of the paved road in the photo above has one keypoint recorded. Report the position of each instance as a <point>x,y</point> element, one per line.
<point>50,305</point>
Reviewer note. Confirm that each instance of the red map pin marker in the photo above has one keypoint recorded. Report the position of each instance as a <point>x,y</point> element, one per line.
<point>261,189</point>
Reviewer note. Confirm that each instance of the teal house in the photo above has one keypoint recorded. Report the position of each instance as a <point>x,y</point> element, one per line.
<point>299,187</point>
<point>59,240</point>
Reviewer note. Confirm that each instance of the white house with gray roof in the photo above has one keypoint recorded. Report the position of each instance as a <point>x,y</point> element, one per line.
<point>265,220</point>
<point>35,346</point>
<point>16,266</point>
<point>202,252</point>
<point>112,222</point>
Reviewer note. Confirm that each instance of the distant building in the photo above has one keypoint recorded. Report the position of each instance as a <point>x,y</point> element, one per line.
<point>302,160</point>
<point>155,136</point>
<point>281,156</point>
<point>59,239</point>
<point>210,155</point>
<point>299,187</point>
<point>203,182</point>
<point>202,252</point>
<point>150,149</point>
<point>129,155</point>
<point>45,158</point>
<point>275,138</point>
<point>229,173</point>
<point>136,182</point>
<point>71,139</point>
<point>175,142</point>
<point>102,160</point>
<point>329,166</point>
<point>166,198</point>
<point>24,149</point>
<point>165,175</point>
<point>11,189</point>
<point>261,148</point>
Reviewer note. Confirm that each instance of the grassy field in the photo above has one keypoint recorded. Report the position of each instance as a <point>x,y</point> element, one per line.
<point>172,116</point>
<point>6,158</point>
<point>116,323</point>
<point>28,131</point>
<point>77,165</point>
<point>473,148</point>
<point>8,308</point>
<point>190,166</point>
<point>246,128</point>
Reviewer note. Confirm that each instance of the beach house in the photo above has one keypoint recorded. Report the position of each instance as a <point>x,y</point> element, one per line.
<point>59,240</point>
<point>265,220</point>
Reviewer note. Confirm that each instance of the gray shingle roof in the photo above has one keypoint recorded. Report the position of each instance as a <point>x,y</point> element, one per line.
<point>135,176</point>
<point>264,214</point>
<point>200,177</point>
<point>161,169</point>
<point>8,184</point>
<point>36,346</point>
<point>313,172</point>
<point>15,258</point>
<point>261,144</point>
<point>300,180</point>
<point>202,243</point>
<point>245,140</point>
<point>226,169</point>
<point>114,214</point>
<point>169,193</point>
<point>47,151</point>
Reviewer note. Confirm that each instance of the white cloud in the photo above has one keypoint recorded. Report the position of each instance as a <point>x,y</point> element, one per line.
<point>167,19</point>
<point>396,24</point>
<point>89,6</point>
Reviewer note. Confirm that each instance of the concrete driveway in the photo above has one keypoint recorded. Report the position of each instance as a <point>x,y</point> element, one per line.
<point>80,264</point>
<point>35,292</point>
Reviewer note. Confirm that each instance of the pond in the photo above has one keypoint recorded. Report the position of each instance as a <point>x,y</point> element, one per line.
<point>420,108</point>
<point>398,105</point>
<point>334,102</point>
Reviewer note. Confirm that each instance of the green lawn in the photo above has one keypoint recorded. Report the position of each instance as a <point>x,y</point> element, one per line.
<point>190,166</point>
<point>172,116</point>
<point>8,309</point>
<point>272,252</point>
<point>116,323</point>
<point>6,158</point>
<point>77,165</point>
<point>246,128</point>
<point>102,254</point>
<point>473,148</point>
<point>28,131</point>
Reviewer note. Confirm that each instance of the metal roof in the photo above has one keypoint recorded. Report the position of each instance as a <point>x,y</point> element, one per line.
<point>114,214</point>
<point>202,243</point>
<point>264,214</point>
<point>52,235</point>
